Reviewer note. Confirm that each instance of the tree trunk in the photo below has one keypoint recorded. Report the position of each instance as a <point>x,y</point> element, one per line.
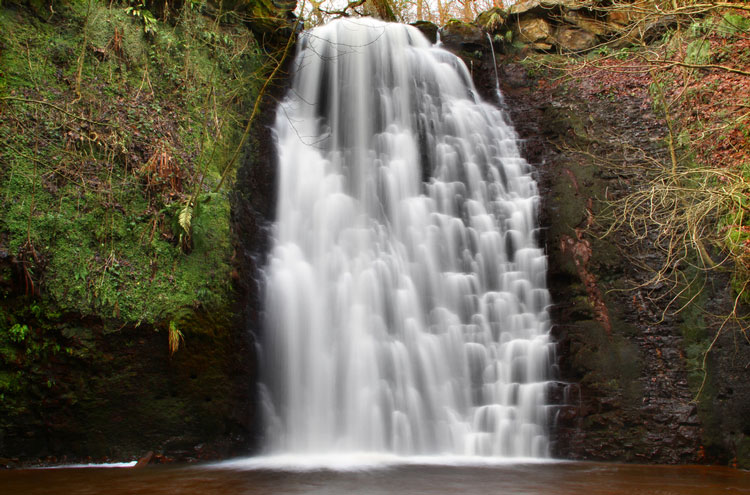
<point>382,9</point>
<point>467,11</point>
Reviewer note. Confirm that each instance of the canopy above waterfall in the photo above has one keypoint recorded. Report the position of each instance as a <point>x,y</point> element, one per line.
<point>406,299</point>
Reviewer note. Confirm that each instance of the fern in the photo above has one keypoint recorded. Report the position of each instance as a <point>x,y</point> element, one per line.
<point>185,218</point>
<point>175,337</point>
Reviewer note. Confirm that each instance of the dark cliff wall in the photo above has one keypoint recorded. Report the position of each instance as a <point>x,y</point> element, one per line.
<point>98,390</point>
<point>632,368</point>
<point>253,212</point>
<point>631,399</point>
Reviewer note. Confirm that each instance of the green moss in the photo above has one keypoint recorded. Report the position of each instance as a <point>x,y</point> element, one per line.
<point>108,132</point>
<point>733,23</point>
<point>83,205</point>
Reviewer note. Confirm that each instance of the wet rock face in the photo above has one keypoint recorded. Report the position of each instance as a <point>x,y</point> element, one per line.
<point>625,364</point>
<point>628,398</point>
<point>114,393</point>
<point>253,213</point>
<point>724,406</point>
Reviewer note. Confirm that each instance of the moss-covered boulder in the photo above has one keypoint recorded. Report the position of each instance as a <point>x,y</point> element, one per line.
<point>493,20</point>
<point>429,29</point>
<point>464,35</point>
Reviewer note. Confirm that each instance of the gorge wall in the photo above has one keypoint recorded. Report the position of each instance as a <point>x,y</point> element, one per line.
<point>100,387</point>
<point>633,365</point>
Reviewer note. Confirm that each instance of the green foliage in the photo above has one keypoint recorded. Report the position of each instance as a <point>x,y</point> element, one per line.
<point>92,196</point>
<point>727,26</point>
<point>534,66</point>
<point>626,52</point>
<point>600,51</point>
<point>18,333</point>
<point>175,337</point>
<point>138,10</point>
<point>26,350</point>
<point>698,52</point>
<point>700,28</point>
<point>734,23</point>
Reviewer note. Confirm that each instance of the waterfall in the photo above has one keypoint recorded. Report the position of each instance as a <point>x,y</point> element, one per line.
<point>406,306</point>
<point>498,93</point>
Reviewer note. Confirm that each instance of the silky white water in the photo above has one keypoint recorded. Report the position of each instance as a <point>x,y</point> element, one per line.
<point>406,300</point>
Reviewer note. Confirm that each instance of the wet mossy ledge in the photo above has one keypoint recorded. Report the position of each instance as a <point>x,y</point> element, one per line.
<point>121,330</point>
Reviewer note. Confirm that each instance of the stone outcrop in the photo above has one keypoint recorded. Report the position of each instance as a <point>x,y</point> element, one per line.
<point>534,30</point>
<point>574,39</point>
<point>429,29</point>
<point>560,25</point>
<point>465,35</point>
<point>594,26</point>
<point>540,6</point>
<point>492,20</point>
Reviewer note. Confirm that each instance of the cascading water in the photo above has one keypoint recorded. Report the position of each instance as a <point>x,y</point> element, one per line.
<point>406,299</point>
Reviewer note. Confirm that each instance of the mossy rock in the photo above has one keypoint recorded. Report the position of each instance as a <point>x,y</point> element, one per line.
<point>269,19</point>
<point>467,36</point>
<point>429,29</point>
<point>493,20</point>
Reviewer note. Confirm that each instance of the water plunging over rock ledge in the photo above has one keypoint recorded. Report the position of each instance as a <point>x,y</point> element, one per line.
<point>406,299</point>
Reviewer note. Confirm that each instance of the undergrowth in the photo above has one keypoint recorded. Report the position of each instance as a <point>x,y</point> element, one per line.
<point>109,128</point>
<point>684,211</point>
<point>693,205</point>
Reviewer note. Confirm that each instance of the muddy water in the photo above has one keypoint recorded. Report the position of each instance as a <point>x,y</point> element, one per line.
<point>522,479</point>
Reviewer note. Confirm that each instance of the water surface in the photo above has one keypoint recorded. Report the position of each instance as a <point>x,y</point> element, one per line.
<point>249,478</point>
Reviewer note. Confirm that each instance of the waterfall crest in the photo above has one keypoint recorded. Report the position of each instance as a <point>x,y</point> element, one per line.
<point>406,299</point>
